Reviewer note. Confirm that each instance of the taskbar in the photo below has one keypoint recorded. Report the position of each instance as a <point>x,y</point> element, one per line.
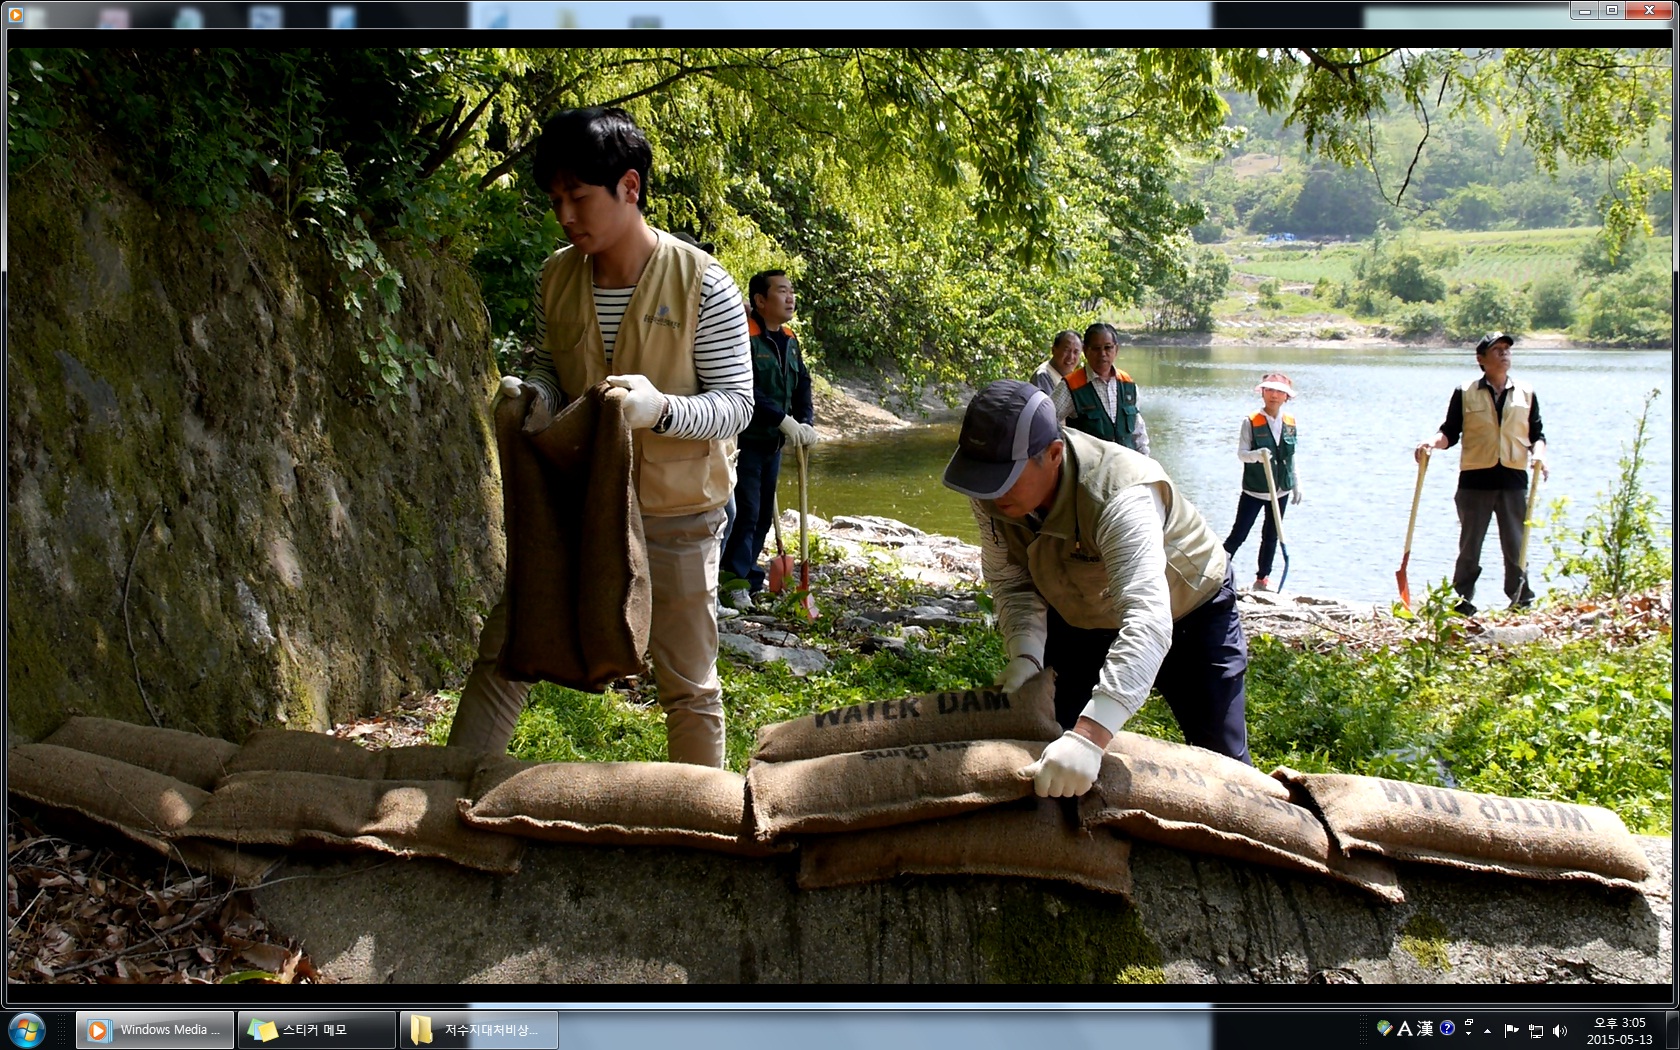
<point>1159,1028</point>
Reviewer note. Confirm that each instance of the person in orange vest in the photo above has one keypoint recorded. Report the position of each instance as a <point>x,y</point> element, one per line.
<point>1064,358</point>
<point>660,318</point>
<point>782,415</point>
<point>1099,399</point>
<point>1498,419</point>
<point>1267,434</point>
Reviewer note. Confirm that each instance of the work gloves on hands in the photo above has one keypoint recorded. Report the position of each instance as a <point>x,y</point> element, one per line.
<point>539,415</point>
<point>644,405</point>
<point>1016,673</point>
<point>1068,767</point>
<point>799,435</point>
<point>1295,493</point>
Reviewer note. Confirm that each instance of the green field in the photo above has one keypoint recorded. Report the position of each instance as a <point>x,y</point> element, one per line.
<point>1512,257</point>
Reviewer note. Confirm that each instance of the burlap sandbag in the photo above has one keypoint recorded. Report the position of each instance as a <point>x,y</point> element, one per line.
<point>618,804</point>
<point>579,595</point>
<point>1190,807</point>
<point>931,718</point>
<point>877,789</point>
<point>410,818</point>
<point>1514,836</point>
<point>189,757</point>
<point>298,751</point>
<point>146,806</point>
<point>1032,838</point>
<point>1192,760</point>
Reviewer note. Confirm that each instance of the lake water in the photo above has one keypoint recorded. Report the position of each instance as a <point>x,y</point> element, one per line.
<point>1360,413</point>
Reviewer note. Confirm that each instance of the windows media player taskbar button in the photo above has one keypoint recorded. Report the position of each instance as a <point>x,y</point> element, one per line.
<point>162,1029</point>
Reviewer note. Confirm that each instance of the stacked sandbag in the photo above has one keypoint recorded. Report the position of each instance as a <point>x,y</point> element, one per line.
<point>188,757</point>
<point>877,789</point>
<point>1034,838</point>
<point>1461,829</point>
<point>1204,802</point>
<point>932,718</point>
<point>147,806</point>
<point>302,790</point>
<point>925,785</point>
<point>617,804</point>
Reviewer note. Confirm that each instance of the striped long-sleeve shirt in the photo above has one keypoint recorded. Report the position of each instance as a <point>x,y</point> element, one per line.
<point>722,359</point>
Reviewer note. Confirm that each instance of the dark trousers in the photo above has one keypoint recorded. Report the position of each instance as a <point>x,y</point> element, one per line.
<point>1248,508</point>
<point>1475,507</point>
<point>1201,679</point>
<point>756,471</point>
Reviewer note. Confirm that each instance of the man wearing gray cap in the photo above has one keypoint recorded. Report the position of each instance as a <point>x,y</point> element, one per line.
<point>1498,418</point>
<point>1102,570</point>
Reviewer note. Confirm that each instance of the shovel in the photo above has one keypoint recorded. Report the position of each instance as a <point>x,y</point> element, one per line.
<point>1411,523</point>
<point>1277,519</point>
<point>807,605</point>
<point>1528,522</point>
<point>781,566</point>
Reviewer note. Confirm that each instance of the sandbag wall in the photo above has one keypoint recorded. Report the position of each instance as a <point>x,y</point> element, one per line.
<point>923,785</point>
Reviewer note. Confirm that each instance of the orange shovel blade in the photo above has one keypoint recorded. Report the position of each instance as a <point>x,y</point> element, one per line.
<point>1400,578</point>
<point>781,573</point>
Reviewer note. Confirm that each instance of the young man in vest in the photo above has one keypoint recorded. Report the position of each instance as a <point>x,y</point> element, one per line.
<point>639,308</point>
<point>1498,418</point>
<point>781,413</point>
<point>1101,569</point>
<point>1064,358</point>
<point>1267,435</point>
<point>1099,399</point>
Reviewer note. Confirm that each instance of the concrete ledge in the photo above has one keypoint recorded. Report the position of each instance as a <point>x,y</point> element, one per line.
<point>580,914</point>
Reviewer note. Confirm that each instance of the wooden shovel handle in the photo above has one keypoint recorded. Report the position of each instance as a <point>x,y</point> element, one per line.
<point>1417,495</point>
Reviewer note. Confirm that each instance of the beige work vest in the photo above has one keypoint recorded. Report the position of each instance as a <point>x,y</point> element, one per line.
<point>656,339</point>
<point>1067,569</point>
<point>1490,439</point>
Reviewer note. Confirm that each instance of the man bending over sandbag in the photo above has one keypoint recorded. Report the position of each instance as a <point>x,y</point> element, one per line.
<point>1102,570</point>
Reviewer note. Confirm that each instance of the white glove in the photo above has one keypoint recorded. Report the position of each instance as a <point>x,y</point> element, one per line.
<point>645,404</point>
<point>539,415</point>
<point>1295,493</point>
<point>1016,672</point>
<point>1068,767</point>
<point>791,429</point>
<point>808,435</point>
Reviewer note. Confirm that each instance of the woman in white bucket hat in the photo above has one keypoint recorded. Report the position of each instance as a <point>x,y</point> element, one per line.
<point>1267,434</point>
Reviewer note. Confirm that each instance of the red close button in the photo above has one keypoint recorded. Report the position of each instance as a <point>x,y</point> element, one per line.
<point>1661,11</point>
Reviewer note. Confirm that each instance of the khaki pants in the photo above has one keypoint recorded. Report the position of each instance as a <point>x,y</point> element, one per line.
<point>683,642</point>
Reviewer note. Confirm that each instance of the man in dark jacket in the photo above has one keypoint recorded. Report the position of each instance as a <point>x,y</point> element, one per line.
<point>782,413</point>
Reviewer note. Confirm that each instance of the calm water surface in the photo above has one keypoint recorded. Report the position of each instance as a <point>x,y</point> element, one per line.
<point>1360,412</point>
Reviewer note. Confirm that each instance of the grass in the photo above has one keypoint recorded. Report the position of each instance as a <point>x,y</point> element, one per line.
<point>1586,720</point>
<point>1512,257</point>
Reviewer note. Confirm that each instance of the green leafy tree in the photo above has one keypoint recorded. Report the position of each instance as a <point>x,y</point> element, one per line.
<point>1185,300</point>
<point>1487,307</point>
<point>1629,309</point>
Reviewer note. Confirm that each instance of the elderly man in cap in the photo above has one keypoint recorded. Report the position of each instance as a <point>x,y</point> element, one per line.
<point>1498,419</point>
<point>1101,569</point>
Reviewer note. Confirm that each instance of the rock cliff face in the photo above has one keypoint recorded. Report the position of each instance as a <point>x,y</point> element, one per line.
<point>201,502</point>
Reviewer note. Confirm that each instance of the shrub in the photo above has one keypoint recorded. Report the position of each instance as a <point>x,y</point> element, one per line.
<point>1420,320</point>
<point>1630,309</point>
<point>1552,301</point>
<point>1270,299</point>
<point>1486,307</point>
<point>1622,548</point>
